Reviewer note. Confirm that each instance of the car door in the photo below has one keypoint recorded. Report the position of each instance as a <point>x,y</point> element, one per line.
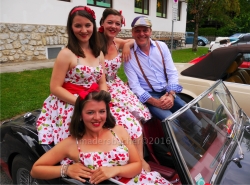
<point>189,38</point>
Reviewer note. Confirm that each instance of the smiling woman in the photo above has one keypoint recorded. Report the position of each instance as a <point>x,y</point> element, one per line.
<point>126,107</point>
<point>113,155</point>
<point>76,68</point>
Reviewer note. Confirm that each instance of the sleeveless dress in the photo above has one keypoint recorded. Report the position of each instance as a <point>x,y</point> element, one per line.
<point>127,109</point>
<point>118,156</point>
<point>53,122</point>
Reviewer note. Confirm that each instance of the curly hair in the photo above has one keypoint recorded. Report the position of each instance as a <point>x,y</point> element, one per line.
<point>77,127</point>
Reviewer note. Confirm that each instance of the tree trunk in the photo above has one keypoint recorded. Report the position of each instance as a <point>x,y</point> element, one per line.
<point>195,43</point>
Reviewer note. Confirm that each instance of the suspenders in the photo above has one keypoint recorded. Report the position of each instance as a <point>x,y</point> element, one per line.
<point>145,77</point>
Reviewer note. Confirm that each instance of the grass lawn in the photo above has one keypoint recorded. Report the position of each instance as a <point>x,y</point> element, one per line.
<point>26,91</point>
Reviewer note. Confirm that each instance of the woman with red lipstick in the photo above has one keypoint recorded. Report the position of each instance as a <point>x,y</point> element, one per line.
<point>97,150</point>
<point>126,107</point>
<point>77,66</point>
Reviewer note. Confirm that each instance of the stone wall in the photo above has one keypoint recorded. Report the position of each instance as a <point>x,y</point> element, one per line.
<point>22,42</point>
<point>25,42</point>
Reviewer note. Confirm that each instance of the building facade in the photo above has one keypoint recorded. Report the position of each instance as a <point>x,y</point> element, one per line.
<point>35,29</point>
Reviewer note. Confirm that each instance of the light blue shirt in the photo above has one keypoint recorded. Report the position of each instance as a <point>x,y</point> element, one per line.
<point>153,69</point>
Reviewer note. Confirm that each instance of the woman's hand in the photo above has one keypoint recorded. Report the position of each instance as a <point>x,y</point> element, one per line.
<point>126,55</point>
<point>79,172</point>
<point>102,173</point>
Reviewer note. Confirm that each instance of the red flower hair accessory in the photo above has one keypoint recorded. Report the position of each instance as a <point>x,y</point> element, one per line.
<point>123,19</point>
<point>93,88</point>
<point>85,8</point>
<point>101,29</point>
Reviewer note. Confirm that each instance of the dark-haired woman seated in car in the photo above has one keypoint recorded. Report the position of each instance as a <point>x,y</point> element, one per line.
<point>97,149</point>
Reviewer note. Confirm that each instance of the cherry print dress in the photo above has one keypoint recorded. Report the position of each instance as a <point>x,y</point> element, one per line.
<point>53,122</point>
<point>127,109</point>
<point>119,156</point>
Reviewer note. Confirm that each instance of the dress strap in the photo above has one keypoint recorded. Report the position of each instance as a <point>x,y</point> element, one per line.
<point>78,150</point>
<point>78,145</point>
<point>116,46</point>
<point>118,139</point>
<point>78,59</point>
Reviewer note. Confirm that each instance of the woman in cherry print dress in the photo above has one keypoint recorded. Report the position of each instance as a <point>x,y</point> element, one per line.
<point>98,148</point>
<point>126,107</point>
<point>77,67</point>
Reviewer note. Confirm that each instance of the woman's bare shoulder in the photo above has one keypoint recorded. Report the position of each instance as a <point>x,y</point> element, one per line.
<point>65,56</point>
<point>120,131</point>
<point>65,52</point>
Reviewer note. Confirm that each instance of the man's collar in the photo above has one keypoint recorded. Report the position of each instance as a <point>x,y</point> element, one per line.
<point>152,43</point>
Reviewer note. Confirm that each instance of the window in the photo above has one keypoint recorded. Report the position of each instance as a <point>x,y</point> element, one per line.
<point>101,3</point>
<point>161,8</point>
<point>52,51</point>
<point>179,11</point>
<point>142,6</point>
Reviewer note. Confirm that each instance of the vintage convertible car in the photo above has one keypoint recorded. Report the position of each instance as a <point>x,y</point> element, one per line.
<point>245,63</point>
<point>216,152</point>
<point>222,63</point>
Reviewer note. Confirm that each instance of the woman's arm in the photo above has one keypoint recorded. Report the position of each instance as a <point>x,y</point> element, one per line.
<point>45,167</point>
<point>61,67</point>
<point>102,82</point>
<point>125,45</point>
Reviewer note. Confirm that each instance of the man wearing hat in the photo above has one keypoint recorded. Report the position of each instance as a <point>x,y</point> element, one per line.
<point>151,73</point>
<point>152,76</point>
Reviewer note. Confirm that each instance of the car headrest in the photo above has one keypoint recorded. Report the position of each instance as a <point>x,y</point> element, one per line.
<point>232,68</point>
<point>239,59</point>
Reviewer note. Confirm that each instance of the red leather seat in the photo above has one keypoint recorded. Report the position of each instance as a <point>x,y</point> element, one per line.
<point>152,130</point>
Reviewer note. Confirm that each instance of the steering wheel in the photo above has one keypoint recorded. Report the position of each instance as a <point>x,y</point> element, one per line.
<point>217,114</point>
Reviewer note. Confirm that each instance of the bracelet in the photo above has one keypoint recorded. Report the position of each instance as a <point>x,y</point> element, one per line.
<point>64,169</point>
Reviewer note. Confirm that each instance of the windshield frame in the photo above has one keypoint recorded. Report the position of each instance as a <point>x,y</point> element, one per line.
<point>232,139</point>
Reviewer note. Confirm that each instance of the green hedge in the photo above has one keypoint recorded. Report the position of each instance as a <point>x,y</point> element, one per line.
<point>223,32</point>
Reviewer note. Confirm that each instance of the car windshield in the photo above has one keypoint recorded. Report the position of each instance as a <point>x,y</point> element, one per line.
<point>236,35</point>
<point>205,131</point>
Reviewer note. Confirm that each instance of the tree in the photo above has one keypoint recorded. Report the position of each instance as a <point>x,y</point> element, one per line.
<point>242,21</point>
<point>219,10</point>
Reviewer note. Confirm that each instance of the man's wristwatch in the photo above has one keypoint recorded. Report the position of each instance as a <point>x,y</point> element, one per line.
<point>173,94</point>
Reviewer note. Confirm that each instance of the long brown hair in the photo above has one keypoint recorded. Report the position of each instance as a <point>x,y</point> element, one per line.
<point>77,127</point>
<point>73,43</point>
<point>103,39</point>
